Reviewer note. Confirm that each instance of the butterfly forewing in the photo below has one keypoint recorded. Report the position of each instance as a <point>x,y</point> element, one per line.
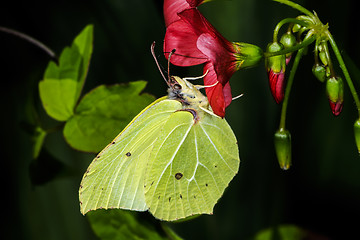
<point>191,164</point>
<point>115,178</point>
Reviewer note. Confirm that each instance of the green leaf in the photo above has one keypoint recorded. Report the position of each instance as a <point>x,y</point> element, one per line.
<point>58,97</point>
<point>62,84</point>
<point>84,44</point>
<point>117,224</point>
<point>282,232</point>
<point>103,113</point>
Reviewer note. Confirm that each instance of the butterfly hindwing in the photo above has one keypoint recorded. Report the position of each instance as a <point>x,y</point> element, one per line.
<point>115,178</point>
<point>191,164</point>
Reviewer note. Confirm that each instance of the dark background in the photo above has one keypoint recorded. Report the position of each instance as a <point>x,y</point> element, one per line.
<point>320,192</point>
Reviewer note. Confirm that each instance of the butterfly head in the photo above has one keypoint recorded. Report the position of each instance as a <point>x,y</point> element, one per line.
<point>185,92</point>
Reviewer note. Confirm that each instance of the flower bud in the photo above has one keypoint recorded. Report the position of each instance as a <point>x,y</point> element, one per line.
<point>322,54</point>
<point>282,141</point>
<point>357,134</point>
<point>288,40</point>
<point>296,27</point>
<point>319,72</point>
<point>335,93</point>
<point>248,54</point>
<point>275,67</point>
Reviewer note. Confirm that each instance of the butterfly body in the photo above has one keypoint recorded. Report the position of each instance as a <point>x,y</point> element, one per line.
<point>175,159</point>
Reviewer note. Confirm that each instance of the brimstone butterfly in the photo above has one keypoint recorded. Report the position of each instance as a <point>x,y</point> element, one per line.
<point>174,159</point>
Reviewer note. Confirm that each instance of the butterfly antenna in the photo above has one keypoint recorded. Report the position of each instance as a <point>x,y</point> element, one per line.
<point>157,63</point>
<point>170,54</point>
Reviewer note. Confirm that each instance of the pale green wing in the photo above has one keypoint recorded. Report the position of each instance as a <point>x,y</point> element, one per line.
<point>190,165</point>
<point>115,178</point>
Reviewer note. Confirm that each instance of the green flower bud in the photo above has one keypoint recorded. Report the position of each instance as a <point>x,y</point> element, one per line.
<point>288,40</point>
<point>322,56</point>
<point>282,141</point>
<point>335,92</point>
<point>322,53</point>
<point>319,72</point>
<point>276,63</point>
<point>248,54</point>
<point>296,28</point>
<point>357,134</point>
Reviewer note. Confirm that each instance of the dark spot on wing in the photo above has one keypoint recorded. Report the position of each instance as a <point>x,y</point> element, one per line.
<point>113,142</point>
<point>128,154</point>
<point>206,184</point>
<point>169,199</point>
<point>178,176</point>
<point>180,196</point>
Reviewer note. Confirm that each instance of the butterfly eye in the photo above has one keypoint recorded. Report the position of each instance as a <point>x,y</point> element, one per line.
<point>177,86</point>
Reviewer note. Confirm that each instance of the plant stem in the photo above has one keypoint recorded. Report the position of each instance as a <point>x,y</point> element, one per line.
<point>169,232</point>
<point>292,49</point>
<point>344,70</point>
<point>288,89</point>
<point>285,21</point>
<point>296,6</point>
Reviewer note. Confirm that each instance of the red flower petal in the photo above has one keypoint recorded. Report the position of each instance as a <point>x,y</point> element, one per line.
<point>277,85</point>
<point>222,60</point>
<point>181,36</point>
<point>219,96</point>
<point>173,7</point>
<point>201,25</point>
<point>336,107</point>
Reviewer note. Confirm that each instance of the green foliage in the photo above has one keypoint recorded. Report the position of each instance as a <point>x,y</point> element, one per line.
<point>61,86</point>
<point>102,113</point>
<point>118,224</point>
<point>282,232</point>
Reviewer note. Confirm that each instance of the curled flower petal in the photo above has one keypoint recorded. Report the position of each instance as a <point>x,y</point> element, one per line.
<point>222,60</point>
<point>277,85</point>
<point>173,7</point>
<point>220,95</point>
<point>336,107</point>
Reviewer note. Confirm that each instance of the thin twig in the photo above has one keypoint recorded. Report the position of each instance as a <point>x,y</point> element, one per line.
<point>29,39</point>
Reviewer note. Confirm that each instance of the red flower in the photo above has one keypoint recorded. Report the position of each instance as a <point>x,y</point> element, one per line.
<point>196,41</point>
<point>173,7</point>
